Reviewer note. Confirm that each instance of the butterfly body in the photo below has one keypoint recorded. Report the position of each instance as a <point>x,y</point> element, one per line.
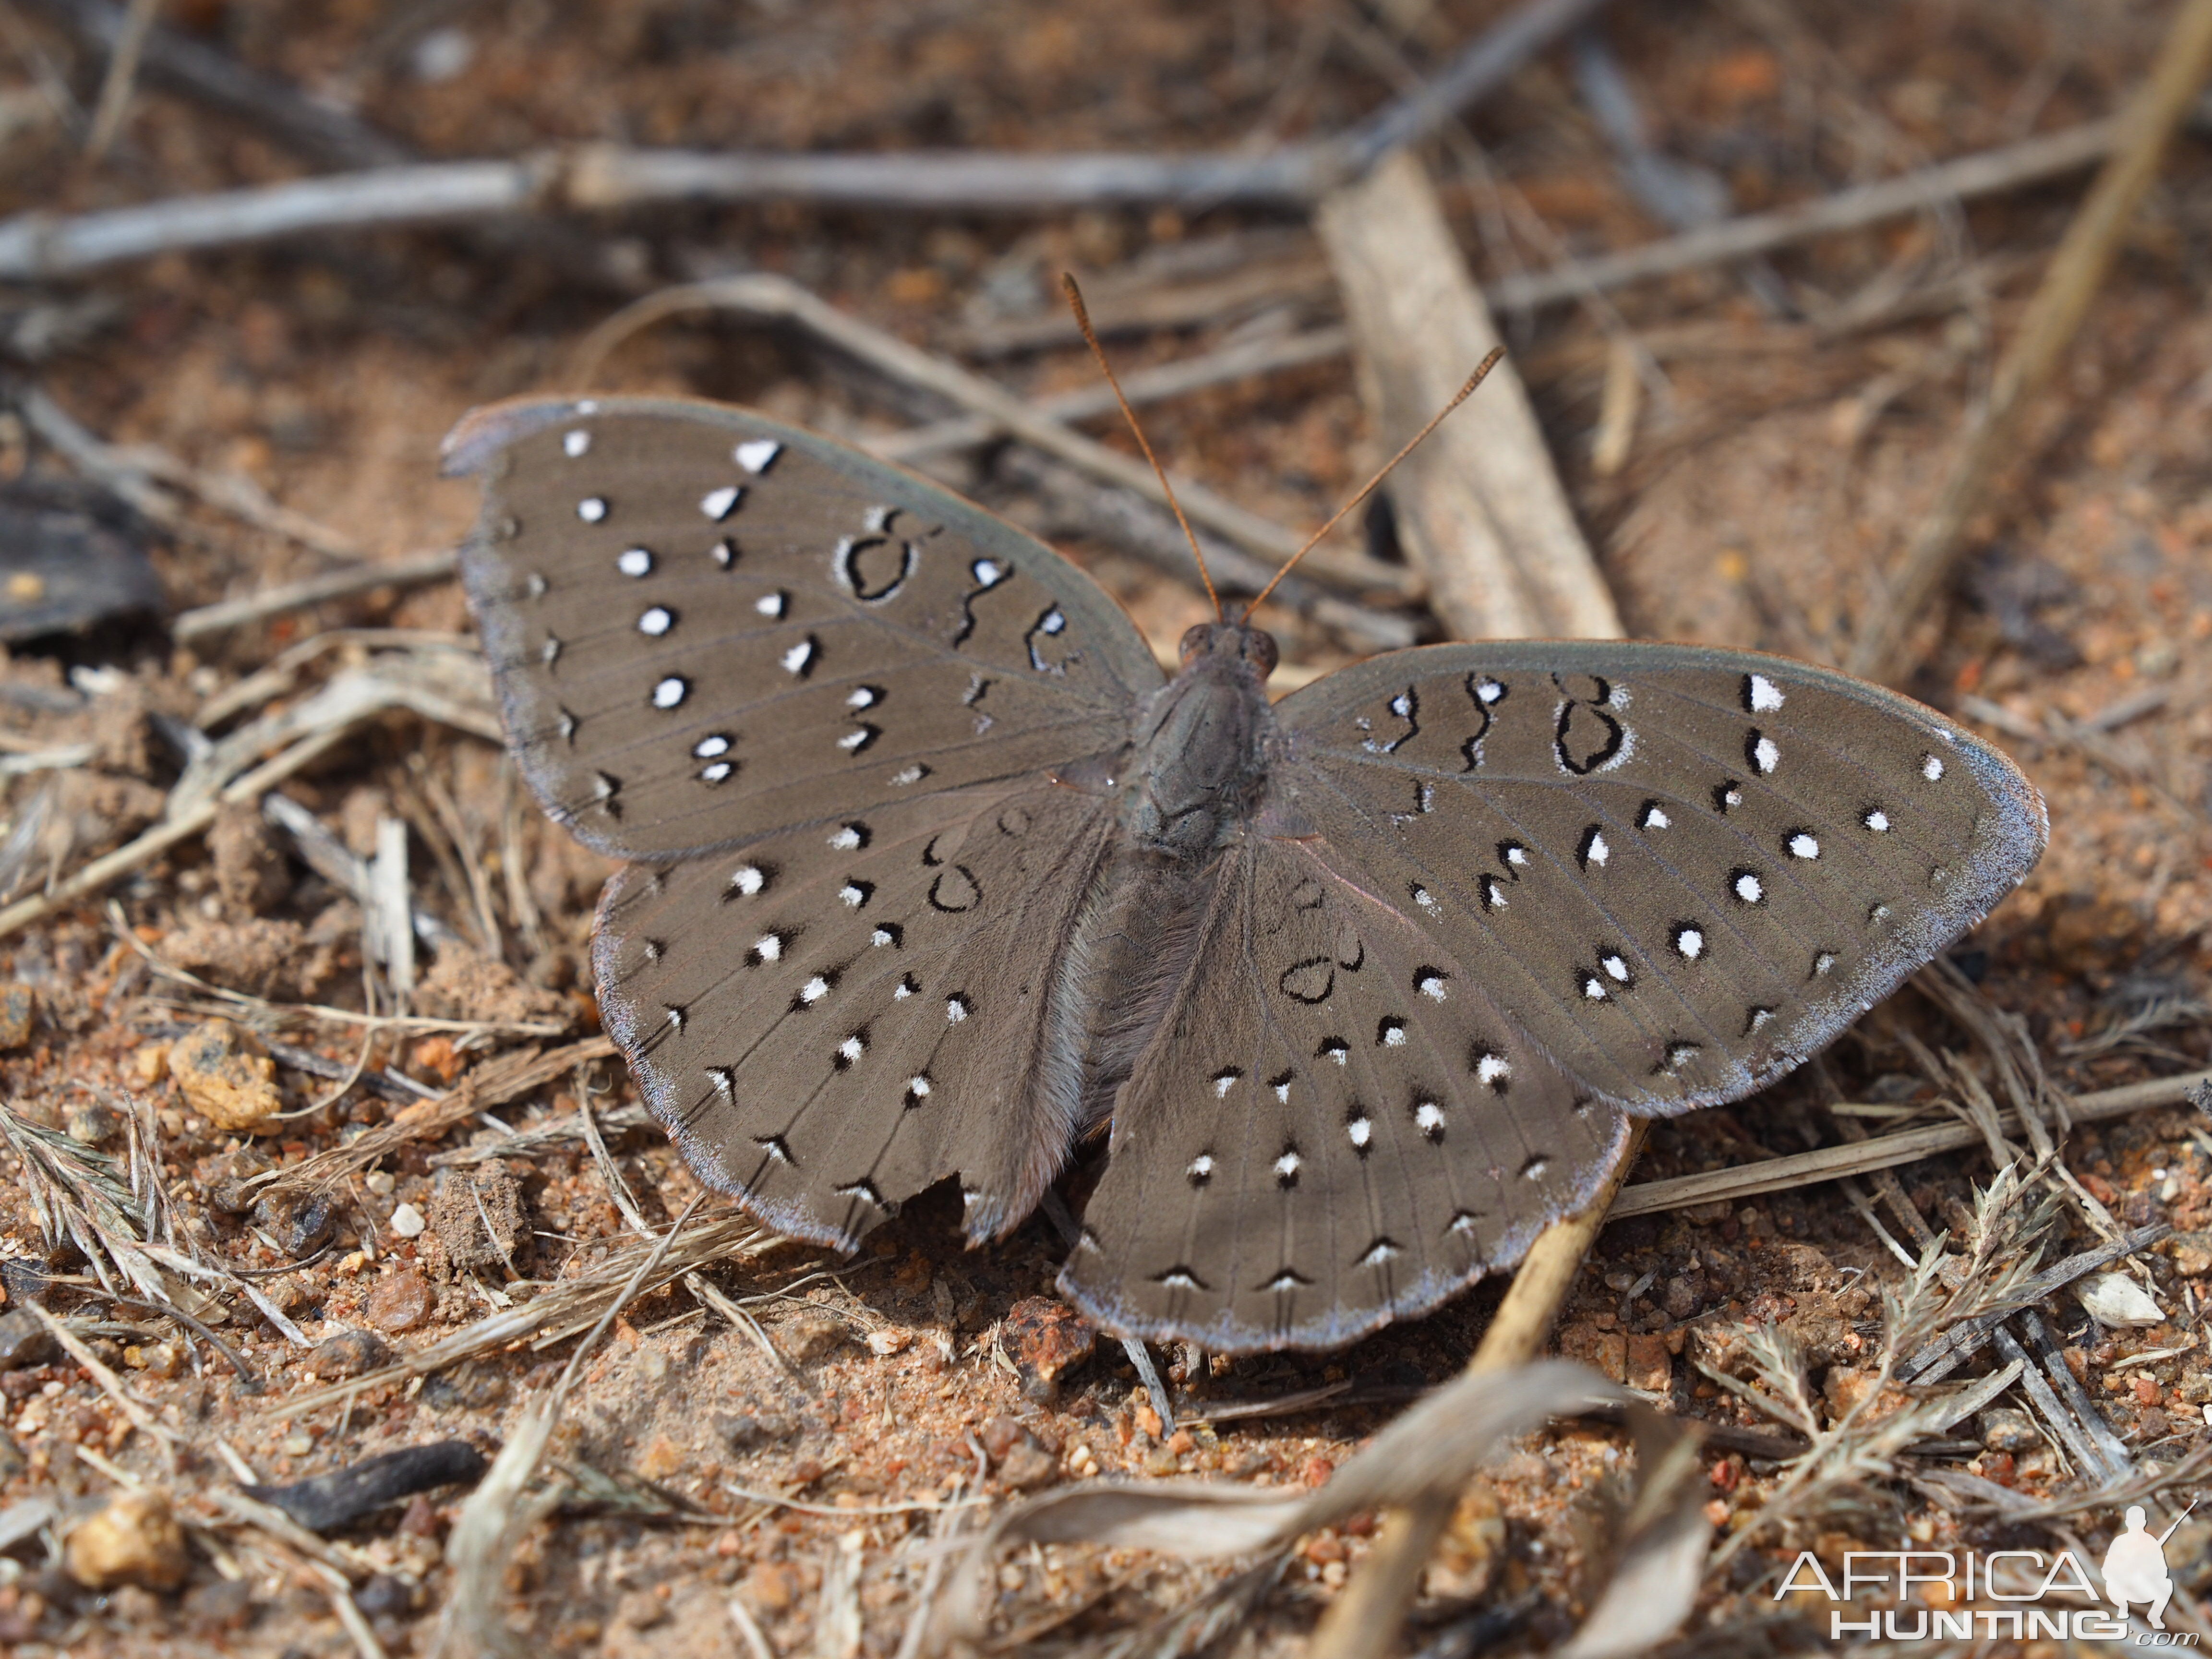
<point>935,875</point>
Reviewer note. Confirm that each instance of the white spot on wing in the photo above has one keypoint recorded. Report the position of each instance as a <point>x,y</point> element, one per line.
<point>748,879</point>
<point>669,692</point>
<point>770,604</point>
<point>573,444</point>
<point>1764,755</point>
<point>755,456</point>
<point>795,660</point>
<point>1931,767</point>
<point>591,508</point>
<point>717,504</point>
<point>656,622</point>
<point>1765,695</point>
<point>1689,943</point>
<point>1877,820</point>
<point>814,990</point>
<point>1803,846</point>
<point>635,562</point>
<point>846,838</point>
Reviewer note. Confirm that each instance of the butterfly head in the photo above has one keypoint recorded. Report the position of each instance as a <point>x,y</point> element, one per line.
<point>1231,642</point>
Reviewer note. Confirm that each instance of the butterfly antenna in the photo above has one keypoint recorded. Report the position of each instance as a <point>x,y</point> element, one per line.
<point>1481,373</point>
<point>1090,336</point>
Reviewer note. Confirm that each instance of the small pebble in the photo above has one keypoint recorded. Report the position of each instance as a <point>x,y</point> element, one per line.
<point>407,1221</point>
<point>227,1182</point>
<point>24,1340</point>
<point>348,1354</point>
<point>401,1301</point>
<point>810,1333</point>
<point>380,1182</point>
<point>226,1076</point>
<point>2117,1300</point>
<point>134,1540</point>
<point>16,1008</point>
<point>93,1123</point>
<point>301,1223</point>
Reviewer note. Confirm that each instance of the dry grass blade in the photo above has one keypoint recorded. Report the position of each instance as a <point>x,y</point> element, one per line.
<point>2077,272</point>
<point>502,1511</point>
<point>1853,1454</point>
<point>1797,1170</point>
<point>1422,1459</point>
<point>562,1310</point>
<point>490,1084</point>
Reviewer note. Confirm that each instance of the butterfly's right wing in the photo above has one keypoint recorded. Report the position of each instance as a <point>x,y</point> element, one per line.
<point>837,1016</point>
<point>706,625</point>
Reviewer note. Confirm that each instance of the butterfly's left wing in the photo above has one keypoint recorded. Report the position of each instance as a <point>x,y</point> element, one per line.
<point>1682,871</point>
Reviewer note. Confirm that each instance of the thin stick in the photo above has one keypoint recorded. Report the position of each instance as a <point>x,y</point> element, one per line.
<point>179,63</point>
<point>1090,338</point>
<point>1481,373</point>
<point>1363,1622</point>
<point>770,297</point>
<point>122,77</point>
<point>411,571</point>
<point>2054,316</point>
<point>1776,1175</point>
<point>37,246</point>
<point>1174,380</point>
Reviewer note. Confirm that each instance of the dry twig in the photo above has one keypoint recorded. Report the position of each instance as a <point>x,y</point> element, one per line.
<point>2077,272</point>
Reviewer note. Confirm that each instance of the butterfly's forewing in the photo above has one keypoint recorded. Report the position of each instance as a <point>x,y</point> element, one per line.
<point>1680,872</point>
<point>707,625</point>
<point>1337,1125</point>
<point>834,1018</point>
<point>821,699</point>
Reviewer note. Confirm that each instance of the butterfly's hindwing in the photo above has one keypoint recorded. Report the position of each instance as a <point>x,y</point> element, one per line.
<point>707,625</point>
<point>1683,871</point>
<point>831,1020</point>
<point>1334,1127</point>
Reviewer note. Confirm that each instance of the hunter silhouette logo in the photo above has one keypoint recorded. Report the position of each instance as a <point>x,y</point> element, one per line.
<point>2134,1567</point>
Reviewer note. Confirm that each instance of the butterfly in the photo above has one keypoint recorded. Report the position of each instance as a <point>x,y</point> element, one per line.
<point>935,874</point>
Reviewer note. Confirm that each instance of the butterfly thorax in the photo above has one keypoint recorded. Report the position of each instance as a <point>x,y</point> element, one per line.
<point>1200,765</point>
